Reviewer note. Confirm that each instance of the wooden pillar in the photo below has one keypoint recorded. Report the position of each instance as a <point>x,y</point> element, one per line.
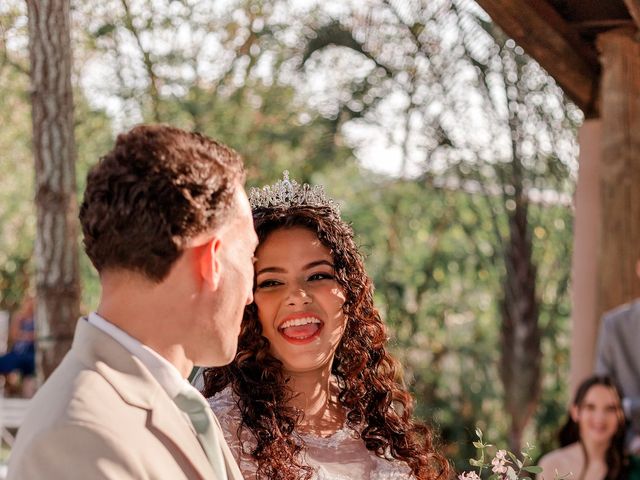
<point>586,244</point>
<point>620,168</point>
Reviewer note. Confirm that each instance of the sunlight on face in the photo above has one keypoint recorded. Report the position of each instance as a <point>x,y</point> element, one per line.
<point>299,299</point>
<point>238,242</point>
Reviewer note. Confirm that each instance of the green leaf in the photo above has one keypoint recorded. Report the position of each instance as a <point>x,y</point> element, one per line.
<point>479,445</point>
<point>526,451</point>
<point>105,29</point>
<point>533,469</point>
<point>476,463</point>
<point>479,433</point>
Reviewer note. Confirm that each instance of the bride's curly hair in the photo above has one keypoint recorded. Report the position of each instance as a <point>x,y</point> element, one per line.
<point>378,408</point>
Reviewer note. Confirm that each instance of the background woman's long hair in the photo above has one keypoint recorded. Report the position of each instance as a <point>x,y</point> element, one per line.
<point>377,406</point>
<point>570,431</point>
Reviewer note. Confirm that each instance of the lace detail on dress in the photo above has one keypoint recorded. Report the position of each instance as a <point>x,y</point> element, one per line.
<point>341,456</point>
<point>224,407</point>
<point>332,441</point>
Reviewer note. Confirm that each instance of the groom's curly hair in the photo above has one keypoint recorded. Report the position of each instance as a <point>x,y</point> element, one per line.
<point>157,187</point>
<point>379,409</point>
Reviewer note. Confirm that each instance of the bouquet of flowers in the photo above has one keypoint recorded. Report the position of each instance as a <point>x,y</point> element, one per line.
<point>504,465</point>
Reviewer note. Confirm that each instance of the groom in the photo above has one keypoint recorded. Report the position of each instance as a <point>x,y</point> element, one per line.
<point>168,226</point>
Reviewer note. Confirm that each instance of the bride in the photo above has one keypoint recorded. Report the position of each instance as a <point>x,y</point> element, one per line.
<point>312,392</point>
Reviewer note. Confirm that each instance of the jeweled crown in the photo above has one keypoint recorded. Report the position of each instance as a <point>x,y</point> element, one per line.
<point>288,193</point>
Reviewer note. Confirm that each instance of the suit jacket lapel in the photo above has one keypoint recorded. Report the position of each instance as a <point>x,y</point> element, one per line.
<point>168,421</point>
<point>137,387</point>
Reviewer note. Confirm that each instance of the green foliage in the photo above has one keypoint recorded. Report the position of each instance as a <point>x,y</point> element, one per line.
<point>428,250</point>
<point>486,134</point>
<point>17,209</point>
<point>17,212</point>
<point>271,138</point>
<point>432,246</point>
<point>504,465</point>
<point>93,139</point>
<point>17,221</point>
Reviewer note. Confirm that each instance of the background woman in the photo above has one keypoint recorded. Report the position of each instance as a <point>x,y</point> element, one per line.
<point>592,439</point>
<point>21,358</point>
<point>312,392</point>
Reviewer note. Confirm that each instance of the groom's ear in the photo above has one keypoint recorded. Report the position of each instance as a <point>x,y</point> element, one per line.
<point>210,267</point>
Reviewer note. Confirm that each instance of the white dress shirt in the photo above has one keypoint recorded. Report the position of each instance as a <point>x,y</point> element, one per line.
<point>162,369</point>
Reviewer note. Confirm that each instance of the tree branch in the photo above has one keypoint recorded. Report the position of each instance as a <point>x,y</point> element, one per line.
<point>148,63</point>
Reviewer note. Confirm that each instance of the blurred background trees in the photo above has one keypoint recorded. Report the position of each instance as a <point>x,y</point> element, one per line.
<point>453,154</point>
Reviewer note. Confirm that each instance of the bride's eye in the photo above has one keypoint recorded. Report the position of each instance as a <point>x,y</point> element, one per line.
<point>268,283</point>
<point>321,276</point>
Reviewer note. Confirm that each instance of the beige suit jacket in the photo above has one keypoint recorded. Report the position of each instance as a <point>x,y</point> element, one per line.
<point>101,415</point>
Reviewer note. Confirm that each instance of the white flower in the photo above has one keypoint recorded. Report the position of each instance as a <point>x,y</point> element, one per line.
<point>499,462</point>
<point>501,454</point>
<point>468,476</point>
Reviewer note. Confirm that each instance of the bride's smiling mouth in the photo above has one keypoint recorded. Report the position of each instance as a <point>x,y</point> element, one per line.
<point>300,328</point>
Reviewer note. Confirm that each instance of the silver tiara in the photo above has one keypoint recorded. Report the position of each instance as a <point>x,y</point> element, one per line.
<point>287,193</point>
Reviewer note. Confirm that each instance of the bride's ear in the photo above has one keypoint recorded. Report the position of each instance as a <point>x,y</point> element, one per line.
<point>210,267</point>
<point>574,411</point>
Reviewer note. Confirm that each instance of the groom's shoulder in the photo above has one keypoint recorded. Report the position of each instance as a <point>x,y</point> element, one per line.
<point>78,402</point>
<point>75,417</point>
<point>73,393</point>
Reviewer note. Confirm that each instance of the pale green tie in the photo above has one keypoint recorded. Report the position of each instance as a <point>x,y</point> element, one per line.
<point>199,412</point>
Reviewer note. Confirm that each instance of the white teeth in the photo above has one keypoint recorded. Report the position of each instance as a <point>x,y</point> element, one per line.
<point>298,322</point>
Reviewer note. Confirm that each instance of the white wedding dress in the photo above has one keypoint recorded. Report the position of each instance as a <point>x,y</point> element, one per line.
<point>341,456</point>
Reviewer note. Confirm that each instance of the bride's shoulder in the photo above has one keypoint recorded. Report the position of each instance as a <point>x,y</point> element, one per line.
<point>240,441</point>
<point>225,408</point>
<point>224,404</point>
<point>563,461</point>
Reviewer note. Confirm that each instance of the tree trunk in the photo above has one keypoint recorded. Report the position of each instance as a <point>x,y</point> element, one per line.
<point>521,355</point>
<point>520,333</point>
<point>56,255</point>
